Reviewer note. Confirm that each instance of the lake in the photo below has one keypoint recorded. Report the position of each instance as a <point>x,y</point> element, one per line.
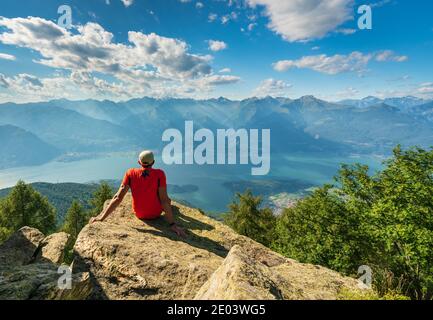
<point>212,195</point>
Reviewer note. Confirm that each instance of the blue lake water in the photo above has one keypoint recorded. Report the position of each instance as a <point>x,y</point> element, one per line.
<point>212,195</point>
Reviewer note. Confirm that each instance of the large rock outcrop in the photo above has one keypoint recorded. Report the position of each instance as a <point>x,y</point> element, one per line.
<point>131,259</point>
<point>29,268</point>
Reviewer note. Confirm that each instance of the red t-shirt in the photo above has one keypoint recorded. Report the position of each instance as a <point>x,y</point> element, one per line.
<point>144,184</point>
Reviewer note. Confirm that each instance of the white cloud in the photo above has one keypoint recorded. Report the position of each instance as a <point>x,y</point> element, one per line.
<point>4,83</point>
<point>305,20</point>
<point>389,55</point>
<point>426,88</point>
<point>379,3</point>
<point>199,5</point>
<point>216,45</point>
<point>225,70</point>
<point>251,26</point>
<point>92,49</point>
<point>228,17</point>
<point>346,31</point>
<point>127,3</point>
<point>422,91</point>
<point>148,64</point>
<point>212,17</point>
<point>353,62</point>
<point>24,88</point>
<point>29,79</point>
<point>6,56</point>
<point>272,87</point>
<point>217,80</point>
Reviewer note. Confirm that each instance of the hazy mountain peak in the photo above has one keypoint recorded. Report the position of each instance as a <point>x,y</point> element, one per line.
<point>308,98</point>
<point>371,99</point>
<point>384,106</point>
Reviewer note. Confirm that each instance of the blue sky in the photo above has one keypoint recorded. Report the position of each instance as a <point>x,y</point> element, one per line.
<point>121,49</point>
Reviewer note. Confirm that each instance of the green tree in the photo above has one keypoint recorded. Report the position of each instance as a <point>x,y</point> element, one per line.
<point>75,220</point>
<point>384,220</point>
<point>76,217</point>
<point>248,219</point>
<point>100,196</point>
<point>320,230</point>
<point>25,207</point>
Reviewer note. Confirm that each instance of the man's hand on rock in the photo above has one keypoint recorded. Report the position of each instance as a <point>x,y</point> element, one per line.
<point>95,219</point>
<point>178,230</point>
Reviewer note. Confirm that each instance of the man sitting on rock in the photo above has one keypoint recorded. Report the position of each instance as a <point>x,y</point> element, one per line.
<point>149,193</point>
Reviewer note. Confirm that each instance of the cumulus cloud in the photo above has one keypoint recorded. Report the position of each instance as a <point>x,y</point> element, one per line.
<point>218,80</point>
<point>6,56</point>
<point>4,83</point>
<point>353,62</point>
<point>216,45</point>
<point>148,61</point>
<point>272,87</point>
<point>22,83</point>
<point>305,20</point>
<point>24,88</point>
<point>30,79</point>
<point>92,49</point>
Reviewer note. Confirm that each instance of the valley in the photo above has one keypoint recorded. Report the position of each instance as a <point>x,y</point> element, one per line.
<point>89,141</point>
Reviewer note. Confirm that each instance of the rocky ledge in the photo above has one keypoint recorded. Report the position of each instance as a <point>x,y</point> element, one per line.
<point>29,268</point>
<point>130,259</point>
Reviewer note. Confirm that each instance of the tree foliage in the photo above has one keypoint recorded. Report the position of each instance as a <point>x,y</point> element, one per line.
<point>100,196</point>
<point>247,218</point>
<point>75,220</point>
<point>383,220</point>
<point>25,207</point>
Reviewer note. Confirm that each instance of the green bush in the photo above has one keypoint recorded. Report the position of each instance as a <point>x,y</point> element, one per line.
<point>370,295</point>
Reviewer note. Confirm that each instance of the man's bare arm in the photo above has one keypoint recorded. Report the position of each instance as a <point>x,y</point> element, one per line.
<point>166,206</point>
<point>117,199</point>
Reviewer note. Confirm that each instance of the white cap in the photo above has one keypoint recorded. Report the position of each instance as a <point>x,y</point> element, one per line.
<point>146,157</point>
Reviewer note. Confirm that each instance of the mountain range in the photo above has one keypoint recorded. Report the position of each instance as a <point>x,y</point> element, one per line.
<point>19,147</point>
<point>53,128</point>
<point>402,103</point>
